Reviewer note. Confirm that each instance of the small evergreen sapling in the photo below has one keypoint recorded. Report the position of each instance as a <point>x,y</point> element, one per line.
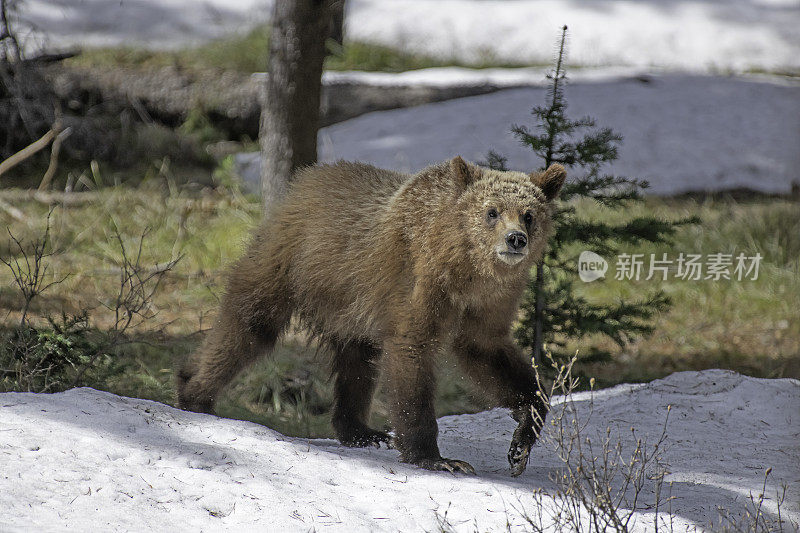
<point>551,309</point>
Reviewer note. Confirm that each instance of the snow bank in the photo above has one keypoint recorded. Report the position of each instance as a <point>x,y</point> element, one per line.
<point>683,34</point>
<point>89,460</point>
<point>141,23</point>
<point>681,132</point>
<point>459,76</point>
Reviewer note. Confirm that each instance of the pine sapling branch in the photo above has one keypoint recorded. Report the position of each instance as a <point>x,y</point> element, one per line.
<point>551,311</point>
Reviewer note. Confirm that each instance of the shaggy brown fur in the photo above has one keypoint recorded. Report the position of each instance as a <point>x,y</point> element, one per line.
<point>390,268</point>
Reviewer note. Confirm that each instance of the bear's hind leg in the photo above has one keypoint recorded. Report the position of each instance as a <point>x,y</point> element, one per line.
<point>248,325</point>
<point>356,370</point>
<point>228,349</point>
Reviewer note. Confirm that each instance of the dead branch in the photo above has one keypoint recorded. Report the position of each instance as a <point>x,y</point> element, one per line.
<point>12,211</point>
<point>44,59</point>
<point>62,198</point>
<point>29,150</point>
<point>53,165</point>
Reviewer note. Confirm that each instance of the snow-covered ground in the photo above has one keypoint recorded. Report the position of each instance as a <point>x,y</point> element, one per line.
<point>681,132</point>
<point>698,35</point>
<point>683,34</point>
<point>139,23</point>
<point>86,461</point>
<point>459,76</point>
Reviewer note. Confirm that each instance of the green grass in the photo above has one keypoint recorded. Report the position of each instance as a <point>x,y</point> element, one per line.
<point>374,57</point>
<point>750,326</point>
<point>786,72</point>
<point>248,53</point>
<point>244,53</point>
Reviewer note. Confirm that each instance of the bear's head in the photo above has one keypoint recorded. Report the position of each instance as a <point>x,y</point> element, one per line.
<point>508,214</point>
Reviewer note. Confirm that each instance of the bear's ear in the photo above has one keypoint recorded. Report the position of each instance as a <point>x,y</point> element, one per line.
<point>461,171</point>
<point>550,181</point>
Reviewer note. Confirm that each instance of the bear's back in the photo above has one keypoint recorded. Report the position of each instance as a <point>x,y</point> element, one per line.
<point>334,234</point>
<point>344,190</point>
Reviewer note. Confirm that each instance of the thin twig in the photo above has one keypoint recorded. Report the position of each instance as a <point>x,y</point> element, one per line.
<point>137,286</point>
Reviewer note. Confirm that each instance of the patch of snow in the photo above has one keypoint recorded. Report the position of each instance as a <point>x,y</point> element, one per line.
<point>162,24</point>
<point>681,132</point>
<point>460,76</point>
<point>89,460</point>
<point>679,34</point>
<point>676,34</point>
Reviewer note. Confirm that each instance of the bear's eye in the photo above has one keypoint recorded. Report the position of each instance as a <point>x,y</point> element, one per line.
<point>491,214</point>
<point>528,218</point>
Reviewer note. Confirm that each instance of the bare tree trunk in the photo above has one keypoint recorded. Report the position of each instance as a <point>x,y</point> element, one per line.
<point>337,22</point>
<point>10,47</point>
<point>290,116</point>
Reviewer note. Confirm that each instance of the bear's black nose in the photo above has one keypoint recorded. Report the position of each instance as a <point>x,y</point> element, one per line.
<point>516,240</point>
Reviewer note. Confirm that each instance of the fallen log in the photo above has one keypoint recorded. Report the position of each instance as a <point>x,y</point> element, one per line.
<point>230,100</point>
<point>66,199</point>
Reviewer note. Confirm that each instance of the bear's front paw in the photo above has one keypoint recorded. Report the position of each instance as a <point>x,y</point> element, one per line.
<point>520,450</point>
<point>518,455</point>
<point>453,466</point>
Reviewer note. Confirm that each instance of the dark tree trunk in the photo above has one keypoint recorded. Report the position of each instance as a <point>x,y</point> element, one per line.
<point>337,22</point>
<point>290,116</point>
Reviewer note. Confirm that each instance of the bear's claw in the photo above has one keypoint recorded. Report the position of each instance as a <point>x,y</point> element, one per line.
<point>518,455</point>
<point>454,466</point>
<point>521,442</point>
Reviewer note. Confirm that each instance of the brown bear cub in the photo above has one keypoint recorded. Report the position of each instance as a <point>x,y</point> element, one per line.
<point>388,270</point>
